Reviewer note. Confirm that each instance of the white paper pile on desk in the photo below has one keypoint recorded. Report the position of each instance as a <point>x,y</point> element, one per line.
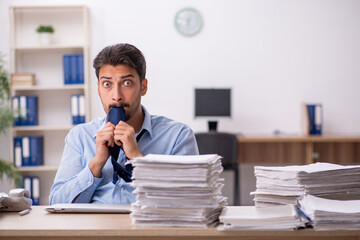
<point>285,185</point>
<point>327,214</point>
<point>283,217</point>
<point>177,191</point>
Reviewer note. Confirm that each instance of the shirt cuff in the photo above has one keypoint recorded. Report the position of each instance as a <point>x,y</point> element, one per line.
<point>87,185</point>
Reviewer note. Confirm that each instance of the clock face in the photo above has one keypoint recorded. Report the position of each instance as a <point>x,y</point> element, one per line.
<point>188,21</point>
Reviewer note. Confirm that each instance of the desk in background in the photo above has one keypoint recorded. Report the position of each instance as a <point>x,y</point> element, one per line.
<point>339,149</point>
<point>39,224</point>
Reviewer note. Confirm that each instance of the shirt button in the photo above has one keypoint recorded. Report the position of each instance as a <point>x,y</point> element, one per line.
<point>89,182</point>
<point>117,187</point>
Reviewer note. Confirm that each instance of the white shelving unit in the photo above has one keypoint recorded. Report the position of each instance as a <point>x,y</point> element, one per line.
<point>28,56</point>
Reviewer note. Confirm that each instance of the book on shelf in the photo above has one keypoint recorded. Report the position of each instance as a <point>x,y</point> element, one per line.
<point>313,119</point>
<point>36,190</point>
<point>22,79</point>
<point>26,110</point>
<point>77,102</point>
<point>28,151</point>
<point>18,151</point>
<point>81,99</point>
<point>80,68</point>
<point>73,67</point>
<point>32,184</point>
<point>66,69</point>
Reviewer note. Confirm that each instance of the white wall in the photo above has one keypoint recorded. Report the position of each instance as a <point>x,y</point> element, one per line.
<point>274,54</point>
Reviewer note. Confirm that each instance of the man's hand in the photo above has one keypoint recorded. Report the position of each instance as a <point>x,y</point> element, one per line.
<point>104,140</point>
<point>125,136</point>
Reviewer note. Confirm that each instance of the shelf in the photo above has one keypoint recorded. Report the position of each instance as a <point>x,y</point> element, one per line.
<point>26,55</point>
<point>43,128</point>
<point>48,88</point>
<point>57,7</point>
<point>47,48</point>
<point>338,149</point>
<point>37,169</point>
<point>299,139</point>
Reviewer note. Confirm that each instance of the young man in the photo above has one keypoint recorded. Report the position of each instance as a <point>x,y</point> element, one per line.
<point>86,173</point>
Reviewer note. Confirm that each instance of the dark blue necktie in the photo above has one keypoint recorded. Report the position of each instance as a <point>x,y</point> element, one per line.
<point>119,170</point>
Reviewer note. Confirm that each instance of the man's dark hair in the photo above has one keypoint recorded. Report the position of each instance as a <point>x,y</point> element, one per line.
<point>123,53</point>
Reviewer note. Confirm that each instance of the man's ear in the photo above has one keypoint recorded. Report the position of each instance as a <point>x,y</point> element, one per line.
<point>144,86</point>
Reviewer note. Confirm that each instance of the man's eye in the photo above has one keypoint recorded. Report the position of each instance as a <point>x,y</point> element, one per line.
<point>127,83</point>
<point>106,84</point>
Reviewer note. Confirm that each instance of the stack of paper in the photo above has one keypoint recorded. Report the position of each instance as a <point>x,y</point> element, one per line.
<point>283,217</point>
<point>329,214</point>
<point>182,191</point>
<point>285,185</point>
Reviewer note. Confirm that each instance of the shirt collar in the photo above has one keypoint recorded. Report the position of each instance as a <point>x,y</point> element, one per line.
<point>147,121</point>
<point>146,124</point>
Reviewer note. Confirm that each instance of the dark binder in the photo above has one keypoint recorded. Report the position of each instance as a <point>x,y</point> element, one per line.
<point>80,69</point>
<point>66,67</point>
<point>315,118</point>
<point>31,111</point>
<point>36,150</point>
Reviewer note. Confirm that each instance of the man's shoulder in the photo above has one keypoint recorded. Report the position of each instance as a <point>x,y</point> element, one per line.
<point>167,123</point>
<point>172,137</point>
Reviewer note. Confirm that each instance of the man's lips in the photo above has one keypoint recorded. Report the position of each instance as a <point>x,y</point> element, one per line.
<point>123,105</point>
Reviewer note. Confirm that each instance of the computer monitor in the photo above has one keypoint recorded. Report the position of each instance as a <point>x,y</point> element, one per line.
<point>213,103</point>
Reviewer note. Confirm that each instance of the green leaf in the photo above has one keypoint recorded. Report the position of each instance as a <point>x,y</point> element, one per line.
<point>6,120</point>
<point>7,169</point>
<point>43,28</point>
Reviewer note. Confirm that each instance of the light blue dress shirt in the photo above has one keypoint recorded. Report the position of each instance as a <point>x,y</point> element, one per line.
<point>162,136</point>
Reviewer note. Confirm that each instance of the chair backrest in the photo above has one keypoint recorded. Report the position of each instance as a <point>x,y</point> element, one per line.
<point>223,144</point>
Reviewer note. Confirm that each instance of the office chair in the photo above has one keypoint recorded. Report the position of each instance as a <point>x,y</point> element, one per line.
<point>225,145</point>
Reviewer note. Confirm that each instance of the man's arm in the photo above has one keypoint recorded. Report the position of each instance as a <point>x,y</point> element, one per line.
<point>76,181</point>
<point>185,143</point>
<point>104,140</point>
<point>73,176</point>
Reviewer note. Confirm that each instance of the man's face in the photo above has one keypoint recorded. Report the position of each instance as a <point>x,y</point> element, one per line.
<point>120,86</point>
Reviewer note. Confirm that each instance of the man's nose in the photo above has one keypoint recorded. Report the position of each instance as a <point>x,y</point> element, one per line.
<point>117,96</point>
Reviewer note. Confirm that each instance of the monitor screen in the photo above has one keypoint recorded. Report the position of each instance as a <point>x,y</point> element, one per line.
<point>213,102</point>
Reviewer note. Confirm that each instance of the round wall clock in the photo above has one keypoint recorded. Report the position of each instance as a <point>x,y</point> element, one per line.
<point>188,21</point>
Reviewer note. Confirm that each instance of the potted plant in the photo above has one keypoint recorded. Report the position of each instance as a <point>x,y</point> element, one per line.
<point>6,120</point>
<point>45,34</point>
